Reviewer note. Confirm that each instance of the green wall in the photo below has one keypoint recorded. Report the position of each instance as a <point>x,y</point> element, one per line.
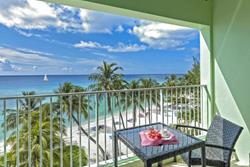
<point>231,45</point>
<point>206,75</point>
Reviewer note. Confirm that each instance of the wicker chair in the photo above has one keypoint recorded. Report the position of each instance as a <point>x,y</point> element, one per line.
<point>220,140</point>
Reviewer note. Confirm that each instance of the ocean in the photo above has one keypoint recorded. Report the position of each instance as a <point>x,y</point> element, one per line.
<point>14,85</point>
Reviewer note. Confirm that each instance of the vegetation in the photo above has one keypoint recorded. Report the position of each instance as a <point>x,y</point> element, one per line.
<point>73,110</point>
<point>108,77</point>
<point>34,120</point>
<point>192,77</point>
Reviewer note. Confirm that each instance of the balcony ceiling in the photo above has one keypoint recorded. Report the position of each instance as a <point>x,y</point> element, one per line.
<point>191,13</point>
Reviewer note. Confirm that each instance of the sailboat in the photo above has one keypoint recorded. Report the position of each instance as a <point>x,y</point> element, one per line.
<point>45,78</point>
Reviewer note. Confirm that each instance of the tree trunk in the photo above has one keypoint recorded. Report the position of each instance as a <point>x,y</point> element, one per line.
<point>92,139</point>
<point>112,115</point>
<point>134,116</point>
<point>149,111</point>
<point>110,110</point>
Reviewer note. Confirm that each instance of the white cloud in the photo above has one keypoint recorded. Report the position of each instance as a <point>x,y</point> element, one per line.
<point>6,65</point>
<point>25,50</point>
<point>16,68</point>
<point>25,60</point>
<point>28,58</point>
<point>89,44</point>
<point>119,29</point>
<point>67,69</point>
<point>34,14</point>
<point>28,61</point>
<point>93,21</point>
<point>28,34</point>
<point>127,48</point>
<point>34,68</point>
<point>30,14</point>
<point>181,49</point>
<point>121,47</point>
<point>162,35</point>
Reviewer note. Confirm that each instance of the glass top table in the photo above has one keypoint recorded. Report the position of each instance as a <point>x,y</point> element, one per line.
<point>153,154</point>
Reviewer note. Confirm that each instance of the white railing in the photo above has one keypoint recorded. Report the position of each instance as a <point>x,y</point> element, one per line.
<point>65,129</point>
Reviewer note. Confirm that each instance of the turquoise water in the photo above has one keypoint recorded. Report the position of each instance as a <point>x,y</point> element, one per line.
<point>14,85</point>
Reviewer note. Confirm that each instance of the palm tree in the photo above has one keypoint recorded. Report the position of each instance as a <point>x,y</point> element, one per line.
<point>193,76</point>
<point>172,80</point>
<point>149,98</point>
<point>133,99</point>
<point>108,78</point>
<point>35,141</point>
<point>32,102</point>
<point>26,105</point>
<point>75,153</point>
<point>148,83</point>
<point>68,87</point>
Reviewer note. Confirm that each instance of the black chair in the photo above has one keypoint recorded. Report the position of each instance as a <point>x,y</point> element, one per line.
<point>220,140</point>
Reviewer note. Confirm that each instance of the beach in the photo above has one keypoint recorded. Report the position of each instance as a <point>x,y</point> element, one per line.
<point>105,139</point>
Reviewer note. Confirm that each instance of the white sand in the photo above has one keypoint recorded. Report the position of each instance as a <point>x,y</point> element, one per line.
<point>108,145</point>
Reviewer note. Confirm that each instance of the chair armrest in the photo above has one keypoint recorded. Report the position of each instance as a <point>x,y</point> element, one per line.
<point>220,147</point>
<point>190,127</point>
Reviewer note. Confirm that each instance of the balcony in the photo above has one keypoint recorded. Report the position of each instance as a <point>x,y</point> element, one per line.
<point>75,129</point>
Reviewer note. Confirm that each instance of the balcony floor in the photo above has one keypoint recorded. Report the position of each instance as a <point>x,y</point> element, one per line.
<point>180,163</point>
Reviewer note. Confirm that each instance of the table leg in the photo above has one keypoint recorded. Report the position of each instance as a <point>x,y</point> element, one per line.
<point>160,164</point>
<point>147,164</point>
<point>189,158</point>
<point>203,155</point>
<point>115,149</point>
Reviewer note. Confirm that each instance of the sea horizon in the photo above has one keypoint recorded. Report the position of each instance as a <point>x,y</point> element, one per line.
<point>14,85</point>
<point>13,75</point>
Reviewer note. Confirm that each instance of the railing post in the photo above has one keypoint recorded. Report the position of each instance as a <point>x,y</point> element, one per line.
<point>5,131</point>
<point>61,131</point>
<point>88,129</point>
<point>162,104</point>
<point>97,130</point>
<point>17,132</point>
<point>79,128</point>
<point>29,133</point>
<point>105,126</point>
<point>134,111</point>
<point>71,132</point>
<point>51,133</point>
<point>40,133</point>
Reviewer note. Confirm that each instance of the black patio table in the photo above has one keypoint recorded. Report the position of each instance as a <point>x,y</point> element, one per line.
<point>156,154</point>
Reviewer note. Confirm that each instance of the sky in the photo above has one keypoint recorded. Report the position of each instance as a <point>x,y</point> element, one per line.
<point>39,38</point>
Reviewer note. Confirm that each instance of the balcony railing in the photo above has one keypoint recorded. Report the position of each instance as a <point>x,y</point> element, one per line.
<point>75,129</point>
